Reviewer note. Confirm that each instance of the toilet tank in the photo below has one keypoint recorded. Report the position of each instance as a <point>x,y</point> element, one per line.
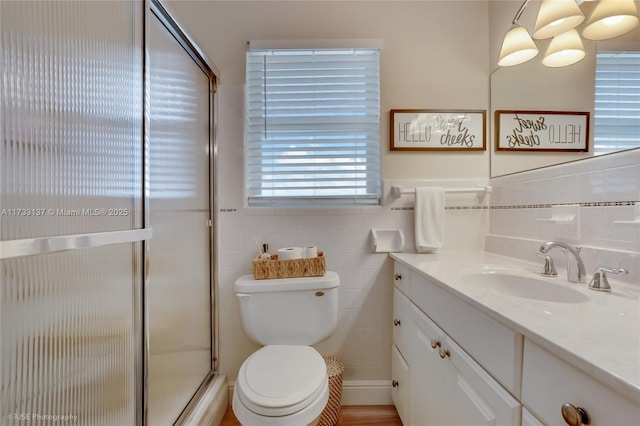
<point>289,311</point>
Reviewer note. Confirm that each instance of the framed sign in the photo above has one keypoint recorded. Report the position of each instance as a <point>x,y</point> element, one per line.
<point>437,130</point>
<point>542,131</point>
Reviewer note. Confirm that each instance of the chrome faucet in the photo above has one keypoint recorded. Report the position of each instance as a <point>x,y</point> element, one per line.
<point>576,272</point>
<point>599,282</point>
<point>549,269</point>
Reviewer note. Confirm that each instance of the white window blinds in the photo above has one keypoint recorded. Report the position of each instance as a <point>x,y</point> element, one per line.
<point>617,102</point>
<point>313,127</point>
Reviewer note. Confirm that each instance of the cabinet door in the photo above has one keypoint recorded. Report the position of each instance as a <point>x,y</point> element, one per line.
<point>429,384</point>
<point>400,384</point>
<point>447,387</point>
<point>529,419</point>
<point>493,345</point>
<point>477,399</point>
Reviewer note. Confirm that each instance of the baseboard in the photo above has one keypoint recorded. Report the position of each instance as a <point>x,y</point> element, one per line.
<point>360,392</point>
<point>366,392</point>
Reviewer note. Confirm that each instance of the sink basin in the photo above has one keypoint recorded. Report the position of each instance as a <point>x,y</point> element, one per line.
<point>527,287</point>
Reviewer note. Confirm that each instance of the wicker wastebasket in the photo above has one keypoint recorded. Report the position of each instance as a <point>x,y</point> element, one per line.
<point>331,413</point>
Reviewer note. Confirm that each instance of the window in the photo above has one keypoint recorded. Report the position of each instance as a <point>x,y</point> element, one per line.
<point>617,102</point>
<point>313,127</point>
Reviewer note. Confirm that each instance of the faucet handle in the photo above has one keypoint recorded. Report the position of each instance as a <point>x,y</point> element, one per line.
<point>599,282</point>
<point>549,269</point>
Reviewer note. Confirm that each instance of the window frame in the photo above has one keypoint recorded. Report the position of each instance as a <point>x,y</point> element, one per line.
<point>368,178</point>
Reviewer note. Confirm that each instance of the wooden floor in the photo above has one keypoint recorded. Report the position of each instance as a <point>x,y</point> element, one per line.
<point>352,415</point>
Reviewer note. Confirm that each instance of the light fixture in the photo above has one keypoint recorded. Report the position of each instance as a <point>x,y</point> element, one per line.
<point>517,47</point>
<point>611,18</point>
<point>564,49</point>
<point>556,17</point>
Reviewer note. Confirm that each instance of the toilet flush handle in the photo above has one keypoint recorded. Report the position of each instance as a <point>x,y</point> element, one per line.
<point>243,295</point>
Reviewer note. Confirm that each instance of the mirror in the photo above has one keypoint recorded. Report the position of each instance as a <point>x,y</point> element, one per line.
<point>534,87</point>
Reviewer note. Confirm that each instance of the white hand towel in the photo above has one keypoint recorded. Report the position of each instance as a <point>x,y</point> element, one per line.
<point>429,218</point>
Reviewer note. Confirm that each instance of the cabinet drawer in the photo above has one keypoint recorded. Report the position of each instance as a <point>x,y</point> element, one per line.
<point>548,382</point>
<point>494,346</point>
<point>401,320</point>
<point>400,384</point>
<point>401,277</point>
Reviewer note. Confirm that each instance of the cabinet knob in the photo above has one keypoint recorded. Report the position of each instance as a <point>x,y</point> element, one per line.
<point>397,277</point>
<point>395,383</point>
<point>435,343</point>
<point>396,322</point>
<point>575,416</point>
<point>444,353</point>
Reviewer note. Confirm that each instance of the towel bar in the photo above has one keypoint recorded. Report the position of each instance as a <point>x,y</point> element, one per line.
<point>398,191</point>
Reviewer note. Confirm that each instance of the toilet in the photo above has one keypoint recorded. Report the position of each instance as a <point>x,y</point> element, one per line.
<point>285,382</point>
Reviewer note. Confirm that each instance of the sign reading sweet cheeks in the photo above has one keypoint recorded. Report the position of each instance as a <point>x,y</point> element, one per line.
<point>436,130</point>
<point>542,131</point>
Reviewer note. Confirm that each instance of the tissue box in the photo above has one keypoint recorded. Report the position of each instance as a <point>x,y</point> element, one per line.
<point>264,269</point>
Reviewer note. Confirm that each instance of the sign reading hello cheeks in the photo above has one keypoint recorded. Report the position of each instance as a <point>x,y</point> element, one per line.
<point>542,131</point>
<point>437,130</point>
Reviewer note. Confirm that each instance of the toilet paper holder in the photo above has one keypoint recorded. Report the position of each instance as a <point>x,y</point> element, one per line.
<point>387,240</point>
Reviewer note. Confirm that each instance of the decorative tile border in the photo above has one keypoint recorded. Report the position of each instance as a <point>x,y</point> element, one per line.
<point>467,208</point>
<point>549,205</point>
<point>532,206</point>
<point>410,208</point>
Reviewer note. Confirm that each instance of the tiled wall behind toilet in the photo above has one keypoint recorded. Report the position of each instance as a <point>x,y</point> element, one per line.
<point>363,338</point>
<point>606,190</point>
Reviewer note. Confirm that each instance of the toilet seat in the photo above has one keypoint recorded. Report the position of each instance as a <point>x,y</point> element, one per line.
<point>280,380</point>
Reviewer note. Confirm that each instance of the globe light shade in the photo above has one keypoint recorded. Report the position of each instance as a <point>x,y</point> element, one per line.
<point>517,47</point>
<point>556,17</point>
<point>611,18</point>
<point>565,49</point>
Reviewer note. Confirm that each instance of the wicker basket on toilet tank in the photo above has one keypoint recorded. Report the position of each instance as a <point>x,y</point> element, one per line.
<point>264,269</point>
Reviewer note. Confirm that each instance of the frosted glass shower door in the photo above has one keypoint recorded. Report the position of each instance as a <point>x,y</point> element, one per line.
<point>178,288</point>
<point>70,213</point>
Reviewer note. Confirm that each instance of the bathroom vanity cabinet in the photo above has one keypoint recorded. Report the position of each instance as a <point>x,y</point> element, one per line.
<point>435,381</point>
<point>453,364</point>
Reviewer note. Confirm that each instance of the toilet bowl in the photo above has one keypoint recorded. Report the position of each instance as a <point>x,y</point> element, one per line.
<point>285,382</point>
<point>283,385</point>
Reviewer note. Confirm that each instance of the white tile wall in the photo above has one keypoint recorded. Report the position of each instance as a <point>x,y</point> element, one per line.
<point>363,337</point>
<point>604,187</point>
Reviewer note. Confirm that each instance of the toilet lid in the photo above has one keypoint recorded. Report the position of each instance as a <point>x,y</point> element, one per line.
<point>278,380</point>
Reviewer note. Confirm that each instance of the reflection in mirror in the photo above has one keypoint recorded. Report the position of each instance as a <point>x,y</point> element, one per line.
<point>531,86</point>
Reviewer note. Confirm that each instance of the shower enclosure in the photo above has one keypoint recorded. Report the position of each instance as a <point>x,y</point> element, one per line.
<point>179,188</point>
<point>106,233</point>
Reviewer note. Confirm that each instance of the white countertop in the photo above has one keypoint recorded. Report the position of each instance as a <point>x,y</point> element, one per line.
<point>600,335</point>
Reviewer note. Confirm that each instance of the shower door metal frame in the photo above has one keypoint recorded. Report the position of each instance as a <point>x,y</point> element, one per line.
<point>158,10</point>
